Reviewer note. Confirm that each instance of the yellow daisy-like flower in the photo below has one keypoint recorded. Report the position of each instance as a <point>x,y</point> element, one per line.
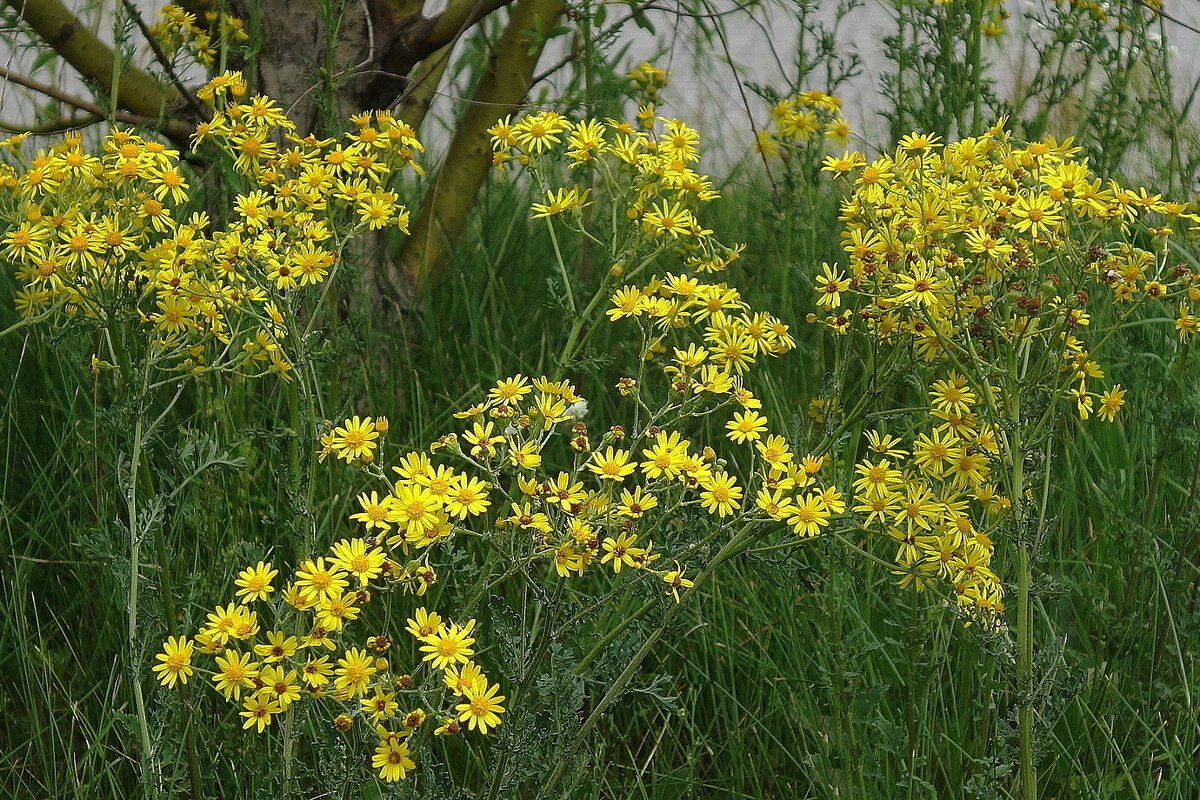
<point>353,556</point>
<point>259,712</point>
<point>1111,402</point>
<point>809,515</point>
<point>254,583</point>
<point>392,759</point>
<point>374,512</point>
<point>611,464</point>
<point>447,647</point>
<point>481,707</point>
<point>174,661</point>
<point>424,624</point>
<point>235,671</point>
<point>354,672</point>
<point>354,439</point>
<point>721,495</point>
<point>746,426</point>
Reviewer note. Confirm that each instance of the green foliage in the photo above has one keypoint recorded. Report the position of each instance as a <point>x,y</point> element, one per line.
<point>799,672</point>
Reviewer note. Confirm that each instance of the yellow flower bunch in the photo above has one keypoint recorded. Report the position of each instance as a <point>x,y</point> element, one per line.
<point>799,122</point>
<point>109,237</point>
<point>652,169</point>
<point>299,658</point>
<point>982,249</point>
<point>176,31</point>
<point>929,495</point>
<point>614,498</point>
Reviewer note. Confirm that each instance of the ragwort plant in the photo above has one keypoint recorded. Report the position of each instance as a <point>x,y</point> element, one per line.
<point>979,267</point>
<point>529,493</point>
<point>111,247</point>
<point>972,266</point>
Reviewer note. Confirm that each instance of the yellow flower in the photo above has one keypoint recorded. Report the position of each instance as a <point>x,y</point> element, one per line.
<point>721,495</point>
<point>919,142</point>
<point>175,661</point>
<point>675,581</point>
<point>621,552</point>
<point>536,133</point>
<point>447,647</point>
<point>559,201</point>
<point>830,285</point>
<point>392,759</point>
<point>259,712</point>
<point>808,515</point>
<point>775,451</point>
<point>354,439</point>
<point>279,686</point>
<point>254,583</point>
<point>278,647</point>
<point>468,497</point>
<point>316,581</point>
<point>668,218</point>
<point>1036,215</point>
<point>611,465</point>
<point>353,556</point>
<point>354,672</point>
<point>234,672</point>
<point>665,456</point>
<point>459,679</point>
<point>425,624</point>
<point>375,512</point>
<point>1111,402</point>
<point>380,706</point>
<point>481,707</point>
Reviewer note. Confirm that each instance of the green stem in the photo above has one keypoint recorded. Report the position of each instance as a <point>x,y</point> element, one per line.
<point>562,266</point>
<point>1028,774</point>
<point>135,459</point>
<point>975,59</point>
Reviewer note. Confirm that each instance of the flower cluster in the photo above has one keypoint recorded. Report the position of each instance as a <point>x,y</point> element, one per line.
<point>923,497</point>
<point>809,119</point>
<point>651,172</point>
<point>983,249</point>
<point>299,658</point>
<point>648,81</point>
<point>176,31</point>
<point>109,237</point>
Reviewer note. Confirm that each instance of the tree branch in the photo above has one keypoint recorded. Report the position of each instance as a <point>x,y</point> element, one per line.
<point>422,88</point>
<point>176,130</point>
<point>53,126</point>
<point>138,93</point>
<point>163,61</point>
<point>451,195</point>
<point>416,38</point>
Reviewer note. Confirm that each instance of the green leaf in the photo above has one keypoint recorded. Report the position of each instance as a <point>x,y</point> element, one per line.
<point>43,59</point>
<point>644,22</point>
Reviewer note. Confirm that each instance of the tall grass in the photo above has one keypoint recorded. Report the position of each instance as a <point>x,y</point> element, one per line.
<point>800,673</point>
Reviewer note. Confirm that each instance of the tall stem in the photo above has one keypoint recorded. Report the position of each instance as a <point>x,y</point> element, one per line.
<point>1028,774</point>
<point>135,678</point>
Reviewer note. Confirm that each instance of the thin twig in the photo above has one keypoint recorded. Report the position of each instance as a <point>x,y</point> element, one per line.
<point>171,127</point>
<point>60,125</point>
<point>192,100</point>
<point>745,102</point>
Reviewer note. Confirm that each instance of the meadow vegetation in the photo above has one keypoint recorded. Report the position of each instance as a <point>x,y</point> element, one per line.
<point>865,469</point>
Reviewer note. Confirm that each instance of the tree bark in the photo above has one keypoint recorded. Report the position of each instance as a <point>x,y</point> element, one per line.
<point>449,199</point>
